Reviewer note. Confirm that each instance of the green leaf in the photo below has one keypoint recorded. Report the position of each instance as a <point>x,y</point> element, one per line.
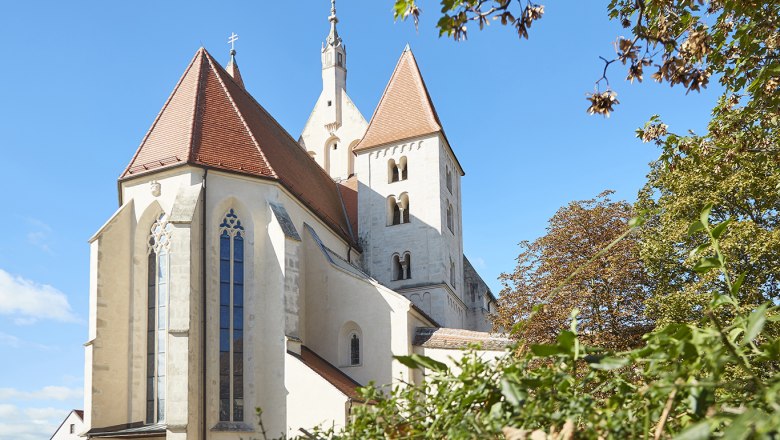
<point>512,393</point>
<point>566,341</point>
<point>699,248</point>
<point>695,227</point>
<point>755,323</point>
<point>706,264</point>
<point>699,431</point>
<point>417,361</point>
<point>718,230</point>
<point>737,284</point>
<point>545,350</point>
<point>704,216</point>
<point>609,363</point>
<point>720,300</point>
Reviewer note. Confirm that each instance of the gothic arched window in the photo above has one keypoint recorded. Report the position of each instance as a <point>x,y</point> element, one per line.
<point>449,217</point>
<point>158,284</point>
<point>231,318</point>
<point>354,349</point>
<point>449,179</point>
<point>404,207</point>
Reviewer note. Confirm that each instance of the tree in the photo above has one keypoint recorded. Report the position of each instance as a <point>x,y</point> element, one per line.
<point>743,185</point>
<point>687,41</point>
<point>609,291</point>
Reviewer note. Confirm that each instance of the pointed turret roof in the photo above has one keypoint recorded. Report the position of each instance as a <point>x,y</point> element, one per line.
<point>210,120</point>
<point>405,109</point>
<point>232,69</point>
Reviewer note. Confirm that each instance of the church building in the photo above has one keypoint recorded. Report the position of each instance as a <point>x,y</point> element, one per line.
<point>246,269</point>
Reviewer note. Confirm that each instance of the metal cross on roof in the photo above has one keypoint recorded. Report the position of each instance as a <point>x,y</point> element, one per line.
<point>232,40</point>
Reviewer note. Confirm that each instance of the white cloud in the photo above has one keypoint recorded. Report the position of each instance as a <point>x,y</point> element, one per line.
<point>45,393</point>
<point>28,301</point>
<point>29,423</point>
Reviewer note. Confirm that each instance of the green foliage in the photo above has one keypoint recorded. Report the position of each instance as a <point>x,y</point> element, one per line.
<point>719,378</point>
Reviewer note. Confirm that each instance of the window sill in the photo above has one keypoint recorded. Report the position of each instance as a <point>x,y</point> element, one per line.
<point>233,427</point>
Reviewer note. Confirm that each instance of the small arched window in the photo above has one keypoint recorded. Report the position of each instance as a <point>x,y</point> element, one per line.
<point>452,273</point>
<point>449,218</point>
<point>402,267</point>
<point>404,202</point>
<point>392,171</point>
<point>354,349</point>
<point>341,59</point>
<point>449,179</point>
<point>350,345</point>
<point>403,169</point>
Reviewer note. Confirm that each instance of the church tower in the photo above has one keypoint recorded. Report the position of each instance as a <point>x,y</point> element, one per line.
<point>409,200</point>
<point>335,125</point>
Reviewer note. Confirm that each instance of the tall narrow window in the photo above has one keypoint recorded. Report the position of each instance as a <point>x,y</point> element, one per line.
<point>231,319</point>
<point>354,350</point>
<point>407,265</point>
<point>157,318</point>
<point>404,208</point>
<point>449,217</point>
<point>449,179</point>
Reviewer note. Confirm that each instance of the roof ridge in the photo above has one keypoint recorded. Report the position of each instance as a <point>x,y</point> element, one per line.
<point>197,112</point>
<point>162,110</point>
<point>212,63</point>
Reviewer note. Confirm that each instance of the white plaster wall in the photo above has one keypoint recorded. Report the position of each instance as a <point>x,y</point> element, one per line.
<point>426,236</point>
<point>334,298</point>
<point>318,139</point>
<point>107,355</point>
<point>63,433</point>
<point>311,400</point>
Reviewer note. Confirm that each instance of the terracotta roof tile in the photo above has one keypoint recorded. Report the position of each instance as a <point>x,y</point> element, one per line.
<point>452,338</point>
<point>210,120</point>
<point>405,109</point>
<point>336,377</point>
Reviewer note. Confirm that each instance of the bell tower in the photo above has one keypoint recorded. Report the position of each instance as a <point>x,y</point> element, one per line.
<point>335,125</point>
<point>334,72</point>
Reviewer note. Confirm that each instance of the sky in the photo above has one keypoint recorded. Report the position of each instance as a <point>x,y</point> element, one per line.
<point>81,82</point>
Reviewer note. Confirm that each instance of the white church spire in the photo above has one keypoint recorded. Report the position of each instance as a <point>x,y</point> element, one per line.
<point>333,37</point>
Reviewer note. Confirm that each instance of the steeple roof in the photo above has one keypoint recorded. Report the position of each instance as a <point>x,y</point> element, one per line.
<point>232,69</point>
<point>405,109</point>
<point>210,120</point>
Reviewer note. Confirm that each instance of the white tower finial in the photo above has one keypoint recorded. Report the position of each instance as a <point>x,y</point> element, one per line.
<point>333,36</point>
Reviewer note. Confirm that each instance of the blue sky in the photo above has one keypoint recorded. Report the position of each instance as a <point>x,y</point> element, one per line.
<point>82,81</point>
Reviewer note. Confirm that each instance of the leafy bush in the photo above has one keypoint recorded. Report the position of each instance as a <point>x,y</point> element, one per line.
<point>719,378</point>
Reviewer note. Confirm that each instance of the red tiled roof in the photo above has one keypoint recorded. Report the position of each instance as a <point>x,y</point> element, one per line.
<point>405,109</point>
<point>210,120</point>
<point>336,377</point>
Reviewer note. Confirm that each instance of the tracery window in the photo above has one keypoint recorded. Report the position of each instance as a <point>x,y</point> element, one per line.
<point>157,318</point>
<point>231,318</point>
